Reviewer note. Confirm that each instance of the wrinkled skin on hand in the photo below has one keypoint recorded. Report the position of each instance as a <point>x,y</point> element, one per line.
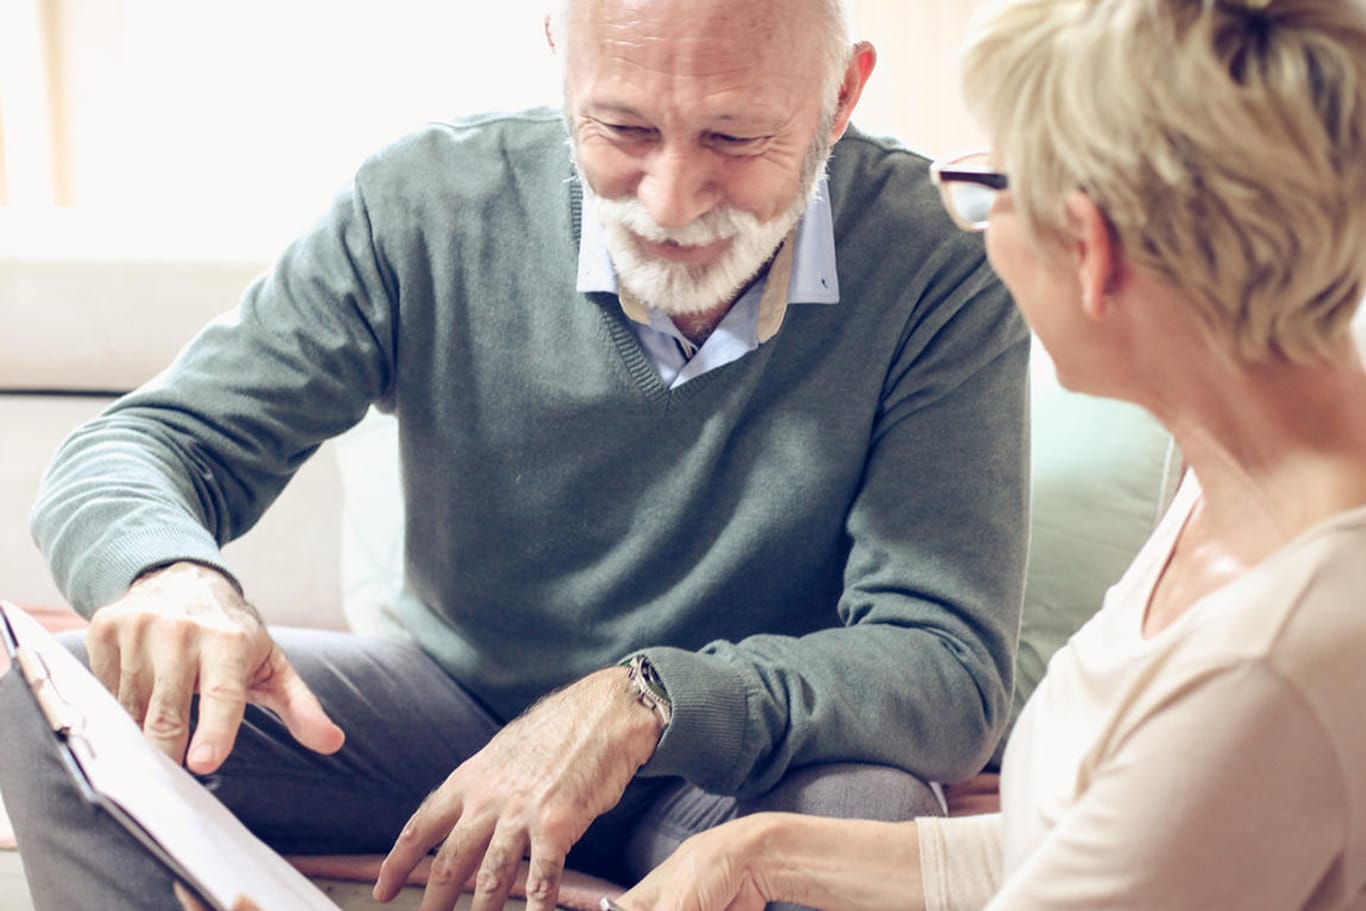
<point>711,871</point>
<point>532,791</point>
<point>822,862</point>
<point>185,629</point>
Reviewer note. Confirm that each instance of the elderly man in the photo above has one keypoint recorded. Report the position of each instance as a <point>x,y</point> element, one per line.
<point>712,446</point>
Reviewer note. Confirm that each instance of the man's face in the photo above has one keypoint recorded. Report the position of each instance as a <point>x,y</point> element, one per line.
<point>699,127</point>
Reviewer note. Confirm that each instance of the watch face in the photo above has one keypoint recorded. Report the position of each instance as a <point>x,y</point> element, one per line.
<point>648,687</point>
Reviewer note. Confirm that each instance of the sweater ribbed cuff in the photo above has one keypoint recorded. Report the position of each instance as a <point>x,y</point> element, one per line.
<point>704,742</point>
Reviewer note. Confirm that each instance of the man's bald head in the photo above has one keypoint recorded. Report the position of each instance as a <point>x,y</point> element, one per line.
<point>823,21</point>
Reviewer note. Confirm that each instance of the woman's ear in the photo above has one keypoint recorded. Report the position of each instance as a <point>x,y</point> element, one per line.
<point>1095,254</point>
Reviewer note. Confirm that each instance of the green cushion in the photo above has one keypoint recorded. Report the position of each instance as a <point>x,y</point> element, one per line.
<point>1103,473</point>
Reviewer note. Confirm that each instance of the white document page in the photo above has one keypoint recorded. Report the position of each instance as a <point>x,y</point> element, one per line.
<point>180,820</point>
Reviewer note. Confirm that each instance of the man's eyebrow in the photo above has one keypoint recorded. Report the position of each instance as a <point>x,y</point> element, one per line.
<point>622,109</point>
<point>613,109</point>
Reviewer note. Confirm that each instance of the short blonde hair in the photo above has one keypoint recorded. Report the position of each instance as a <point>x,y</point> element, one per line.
<point>1225,141</point>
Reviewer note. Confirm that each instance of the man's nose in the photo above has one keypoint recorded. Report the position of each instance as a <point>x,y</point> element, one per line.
<point>679,185</point>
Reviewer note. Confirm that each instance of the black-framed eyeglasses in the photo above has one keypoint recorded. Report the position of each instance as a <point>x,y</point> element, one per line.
<point>968,185</point>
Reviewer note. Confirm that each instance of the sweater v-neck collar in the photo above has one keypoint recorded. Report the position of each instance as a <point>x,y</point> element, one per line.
<point>620,309</point>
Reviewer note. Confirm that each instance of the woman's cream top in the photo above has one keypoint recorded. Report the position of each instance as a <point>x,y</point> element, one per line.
<point>1219,765</point>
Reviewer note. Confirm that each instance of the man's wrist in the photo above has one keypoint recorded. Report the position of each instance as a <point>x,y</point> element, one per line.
<point>187,569</point>
<point>185,580</point>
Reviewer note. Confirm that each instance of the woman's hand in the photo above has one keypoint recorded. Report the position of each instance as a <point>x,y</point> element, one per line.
<point>190,903</point>
<point>835,864</point>
<point>721,869</point>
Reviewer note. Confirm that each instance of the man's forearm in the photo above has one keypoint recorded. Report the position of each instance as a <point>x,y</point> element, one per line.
<point>109,511</point>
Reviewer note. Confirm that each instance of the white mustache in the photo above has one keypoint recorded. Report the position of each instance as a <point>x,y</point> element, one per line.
<point>716,225</point>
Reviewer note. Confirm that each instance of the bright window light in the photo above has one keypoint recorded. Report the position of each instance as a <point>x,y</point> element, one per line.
<point>232,124</point>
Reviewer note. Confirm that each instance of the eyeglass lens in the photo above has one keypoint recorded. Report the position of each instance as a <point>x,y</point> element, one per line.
<point>971,201</point>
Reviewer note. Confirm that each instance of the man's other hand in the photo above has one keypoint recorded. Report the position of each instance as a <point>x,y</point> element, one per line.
<point>532,792</point>
<point>185,629</point>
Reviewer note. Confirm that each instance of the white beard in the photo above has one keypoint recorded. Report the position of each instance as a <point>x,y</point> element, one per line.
<point>679,289</point>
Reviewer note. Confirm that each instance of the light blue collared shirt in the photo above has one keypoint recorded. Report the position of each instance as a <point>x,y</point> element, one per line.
<point>813,281</point>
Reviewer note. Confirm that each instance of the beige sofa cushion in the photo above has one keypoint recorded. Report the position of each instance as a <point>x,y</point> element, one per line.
<point>104,321</point>
<point>104,324</point>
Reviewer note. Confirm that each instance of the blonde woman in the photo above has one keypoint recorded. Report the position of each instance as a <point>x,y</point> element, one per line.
<point>1176,198</point>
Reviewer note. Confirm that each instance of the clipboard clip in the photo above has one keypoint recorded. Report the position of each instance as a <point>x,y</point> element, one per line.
<point>61,715</point>
<point>65,720</point>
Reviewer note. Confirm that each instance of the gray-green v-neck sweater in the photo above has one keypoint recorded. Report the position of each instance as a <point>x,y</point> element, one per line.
<point>821,545</point>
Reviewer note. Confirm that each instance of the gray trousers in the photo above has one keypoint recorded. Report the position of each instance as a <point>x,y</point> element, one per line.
<point>408,725</point>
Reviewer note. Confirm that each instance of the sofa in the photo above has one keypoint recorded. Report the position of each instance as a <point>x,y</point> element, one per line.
<point>80,330</point>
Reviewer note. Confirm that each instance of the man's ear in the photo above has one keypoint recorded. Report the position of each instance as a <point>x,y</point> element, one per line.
<point>1094,253</point>
<point>851,87</point>
<point>550,33</point>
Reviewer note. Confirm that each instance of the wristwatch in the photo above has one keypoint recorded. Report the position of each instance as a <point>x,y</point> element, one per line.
<point>648,688</point>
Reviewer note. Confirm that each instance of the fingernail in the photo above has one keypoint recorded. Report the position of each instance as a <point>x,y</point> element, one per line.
<point>202,755</point>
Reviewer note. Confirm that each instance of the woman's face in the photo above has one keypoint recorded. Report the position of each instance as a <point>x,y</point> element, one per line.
<point>1045,285</point>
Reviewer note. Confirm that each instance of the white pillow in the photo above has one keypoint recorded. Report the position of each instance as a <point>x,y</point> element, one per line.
<point>371,524</point>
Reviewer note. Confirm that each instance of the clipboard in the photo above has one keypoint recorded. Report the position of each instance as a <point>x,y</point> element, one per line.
<point>115,768</point>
